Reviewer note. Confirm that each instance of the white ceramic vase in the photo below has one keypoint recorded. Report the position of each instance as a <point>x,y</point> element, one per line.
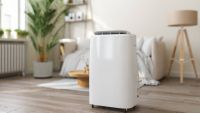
<point>8,34</point>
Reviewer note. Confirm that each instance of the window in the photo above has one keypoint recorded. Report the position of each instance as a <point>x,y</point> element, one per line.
<point>12,14</point>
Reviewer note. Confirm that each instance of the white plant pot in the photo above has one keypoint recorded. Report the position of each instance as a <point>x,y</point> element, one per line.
<point>42,69</point>
<point>8,34</point>
<point>21,37</point>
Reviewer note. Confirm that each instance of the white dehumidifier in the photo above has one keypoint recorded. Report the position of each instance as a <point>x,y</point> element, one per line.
<point>113,70</point>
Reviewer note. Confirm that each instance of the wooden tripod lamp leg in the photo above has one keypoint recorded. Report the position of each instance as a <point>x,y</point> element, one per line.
<point>190,52</point>
<point>181,38</point>
<point>173,53</point>
<point>181,57</point>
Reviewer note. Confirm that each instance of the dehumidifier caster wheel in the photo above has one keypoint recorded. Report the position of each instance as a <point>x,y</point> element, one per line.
<point>92,106</point>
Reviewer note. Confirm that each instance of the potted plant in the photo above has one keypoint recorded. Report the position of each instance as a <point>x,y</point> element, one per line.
<point>43,17</point>
<point>8,33</point>
<point>21,34</point>
<point>1,33</point>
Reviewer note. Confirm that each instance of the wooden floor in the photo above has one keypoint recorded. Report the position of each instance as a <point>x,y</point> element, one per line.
<point>21,95</point>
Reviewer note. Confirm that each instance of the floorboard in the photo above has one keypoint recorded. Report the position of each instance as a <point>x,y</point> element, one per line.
<point>21,95</point>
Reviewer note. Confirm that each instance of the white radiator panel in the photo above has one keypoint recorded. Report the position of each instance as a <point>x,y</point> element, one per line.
<point>12,56</point>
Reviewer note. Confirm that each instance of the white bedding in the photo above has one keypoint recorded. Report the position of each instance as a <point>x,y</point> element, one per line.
<point>75,61</point>
<point>145,66</point>
<point>78,60</point>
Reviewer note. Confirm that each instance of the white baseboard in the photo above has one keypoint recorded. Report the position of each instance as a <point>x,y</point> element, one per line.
<point>186,74</point>
<point>30,72</point>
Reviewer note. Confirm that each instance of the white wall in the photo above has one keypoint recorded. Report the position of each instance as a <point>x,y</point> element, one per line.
<point>147,18</point>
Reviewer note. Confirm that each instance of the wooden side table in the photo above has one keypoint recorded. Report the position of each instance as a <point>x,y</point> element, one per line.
<point>82,77</point>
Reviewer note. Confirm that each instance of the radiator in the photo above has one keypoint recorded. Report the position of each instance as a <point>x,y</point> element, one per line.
<point>12,56</point>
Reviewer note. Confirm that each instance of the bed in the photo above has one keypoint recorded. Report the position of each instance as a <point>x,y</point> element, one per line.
<point>150,58</point>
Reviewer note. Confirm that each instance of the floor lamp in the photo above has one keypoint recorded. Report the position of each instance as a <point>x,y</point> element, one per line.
<point>182,19</point>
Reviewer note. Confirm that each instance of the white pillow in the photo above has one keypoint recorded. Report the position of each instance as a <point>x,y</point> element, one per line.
<point>147,45</point>
<point>139,42</point>
<point>83,44</point>
<point>84,59</point>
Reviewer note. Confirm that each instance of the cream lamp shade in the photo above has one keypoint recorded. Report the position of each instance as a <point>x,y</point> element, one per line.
<point>183,18</point>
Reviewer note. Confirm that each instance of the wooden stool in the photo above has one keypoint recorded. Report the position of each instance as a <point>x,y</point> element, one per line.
<point>82,77</point>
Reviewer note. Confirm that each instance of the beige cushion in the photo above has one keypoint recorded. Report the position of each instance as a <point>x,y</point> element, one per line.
<point>154,47</point>
<point>158,59</point>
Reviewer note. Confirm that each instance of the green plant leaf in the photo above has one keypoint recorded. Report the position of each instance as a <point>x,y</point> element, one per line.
<point>42,19</point>
<point>52,43</point>
<point>34,42</point>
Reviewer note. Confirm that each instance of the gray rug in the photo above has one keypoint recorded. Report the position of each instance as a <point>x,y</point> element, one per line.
<point>69,84</point>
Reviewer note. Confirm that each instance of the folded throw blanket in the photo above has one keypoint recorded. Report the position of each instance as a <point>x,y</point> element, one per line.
<point>144,69</point>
